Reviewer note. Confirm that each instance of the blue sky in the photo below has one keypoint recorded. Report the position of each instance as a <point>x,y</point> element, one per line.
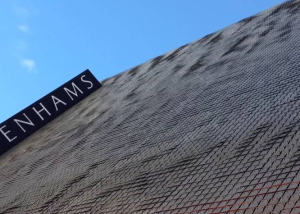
<point>46,43</point>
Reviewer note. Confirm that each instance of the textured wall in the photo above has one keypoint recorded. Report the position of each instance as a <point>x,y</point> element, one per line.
<point>212,127</point>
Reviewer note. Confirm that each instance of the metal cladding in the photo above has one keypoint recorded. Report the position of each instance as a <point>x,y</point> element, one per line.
<point>35,116</point>
<point>211,127</point>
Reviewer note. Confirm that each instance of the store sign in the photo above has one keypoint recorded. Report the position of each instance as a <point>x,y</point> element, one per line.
<point>35,116</point>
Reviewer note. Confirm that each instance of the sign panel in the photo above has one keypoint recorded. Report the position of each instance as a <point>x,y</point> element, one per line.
<point>35,116</point>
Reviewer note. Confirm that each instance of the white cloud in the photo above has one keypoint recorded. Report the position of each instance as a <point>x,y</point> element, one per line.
<point>22,12</point>
<point>23,28</point>
<point>29,64</point>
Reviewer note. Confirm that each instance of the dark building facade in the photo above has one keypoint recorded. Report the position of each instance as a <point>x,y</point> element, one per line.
<point>211,127</point>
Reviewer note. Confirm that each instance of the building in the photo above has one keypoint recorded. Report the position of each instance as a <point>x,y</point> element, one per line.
<point>211,127</point>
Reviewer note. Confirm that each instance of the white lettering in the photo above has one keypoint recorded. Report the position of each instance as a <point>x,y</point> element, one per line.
<point>56,101</point>
<point>43,109</point>
<point>87,82</point>
<point>28,122</point>
<point>5,134</point>
<point>73,92</point>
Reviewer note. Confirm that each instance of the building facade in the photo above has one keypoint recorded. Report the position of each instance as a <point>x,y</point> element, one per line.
<point>211,127</point>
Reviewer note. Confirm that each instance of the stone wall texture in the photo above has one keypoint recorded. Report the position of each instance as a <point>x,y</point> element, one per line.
<point>211,127</point>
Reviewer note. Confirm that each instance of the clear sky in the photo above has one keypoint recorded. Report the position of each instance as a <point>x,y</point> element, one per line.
<point>43,44</point>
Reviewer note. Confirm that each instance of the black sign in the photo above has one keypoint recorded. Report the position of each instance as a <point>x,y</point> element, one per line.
<point>35,116</point>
